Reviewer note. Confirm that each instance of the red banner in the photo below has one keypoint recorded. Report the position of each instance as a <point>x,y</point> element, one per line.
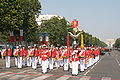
<point>21,35</point>
<point>21,38</point>
<point>11,36</point>
<point>74,24</point>
<point>68,44</point>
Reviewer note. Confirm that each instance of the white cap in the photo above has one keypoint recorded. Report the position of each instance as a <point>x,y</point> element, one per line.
<point>35,45</point>
<point>20,45</point>
<point>44,45</point>
<point>29,46</point>
<point>17,46</point>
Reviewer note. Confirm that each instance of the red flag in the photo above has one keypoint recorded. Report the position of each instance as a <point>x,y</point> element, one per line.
<point>12,36</point>
<point>21,35</point>
<point>74,24</point>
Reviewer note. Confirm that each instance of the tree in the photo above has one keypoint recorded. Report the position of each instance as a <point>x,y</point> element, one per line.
<point>117,43</point>
<point>19,13</point>
<point>57,29</point>
<point>10,15</point>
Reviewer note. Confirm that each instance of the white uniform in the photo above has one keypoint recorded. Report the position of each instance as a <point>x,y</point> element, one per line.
<point>82,62</point>
<point>75,62</point>
<point>7,53</point>
<point>29,60</point>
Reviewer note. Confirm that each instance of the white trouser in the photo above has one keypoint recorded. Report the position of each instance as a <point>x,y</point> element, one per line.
<point>19,62</point>
<point>65,64</point>
<point>16,63</point>
<point>34,62</point>
<point>51,62</point>
<point>47,63</point>
<point>70,65</point>
<point>23,61</point>
<point>44,66</point>
<point>39,60</point>
<point>85,65</point>
<point>75,67</point>
<point>61,62</point>
<point>90,62</point>
<point>97,57</point>
<point>7,60</point>
<point>93,60</point>
<point>29,61</point>
<point>82,65</point>
<point>57,63</point>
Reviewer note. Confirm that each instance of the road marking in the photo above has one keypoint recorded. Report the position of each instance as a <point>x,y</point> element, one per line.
<point>87,72</point>
<point>93,66</point>
<point>117,62</point>
<point>29,77</point>
<point>25,71</point>
<point>9,73</point>
<point>85,78</point>
<point>2,74</point>
<point>42,77</point>
<point>6,75</point>
<point>106,78</point>
<point>65,77</point>
<point>17,76</point>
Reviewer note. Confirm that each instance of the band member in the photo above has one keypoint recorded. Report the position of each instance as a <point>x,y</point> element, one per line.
<point>35,53</point>
<point>15,53</point>
<point>18,53</point>
<point>82,60</point>
<point>65,59</point>
<point>44,56</point>
<point>29,51</point>
<point>75,62</point>
<point>7,53</point>
<point>51,58</point>
<point>24,56</point>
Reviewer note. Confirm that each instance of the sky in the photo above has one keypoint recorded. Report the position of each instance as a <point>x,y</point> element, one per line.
<point>101,18</point>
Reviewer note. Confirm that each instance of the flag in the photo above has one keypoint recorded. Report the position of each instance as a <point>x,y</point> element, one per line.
<point>21,35</point>
<point>11,36</point>
<point>41,39</point>
<point>74,24</point>
<point>47,39</point>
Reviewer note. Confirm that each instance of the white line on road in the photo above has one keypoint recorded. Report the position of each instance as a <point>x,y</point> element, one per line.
<point>93,66</point>
<point>87,72</point>
<point>17,77</point>
<point>7,73</point>
<point>85,78</point>
<point>25,71</point>
<point>41,77</point>
<point>29,77</point>
<point>106,78</point>
<point>65,77</point>
<point>2,74</point>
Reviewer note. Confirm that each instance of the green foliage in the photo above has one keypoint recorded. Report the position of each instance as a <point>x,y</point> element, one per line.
<point>117,43</point>
<point>57,29</point>
<point>20,13</point>
<point>10,15</point>
<point>93,41</point>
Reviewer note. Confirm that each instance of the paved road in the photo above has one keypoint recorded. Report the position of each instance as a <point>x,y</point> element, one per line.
<point>107,68</point>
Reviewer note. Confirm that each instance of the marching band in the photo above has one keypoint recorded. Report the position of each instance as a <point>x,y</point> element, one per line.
<point>52,57</point>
